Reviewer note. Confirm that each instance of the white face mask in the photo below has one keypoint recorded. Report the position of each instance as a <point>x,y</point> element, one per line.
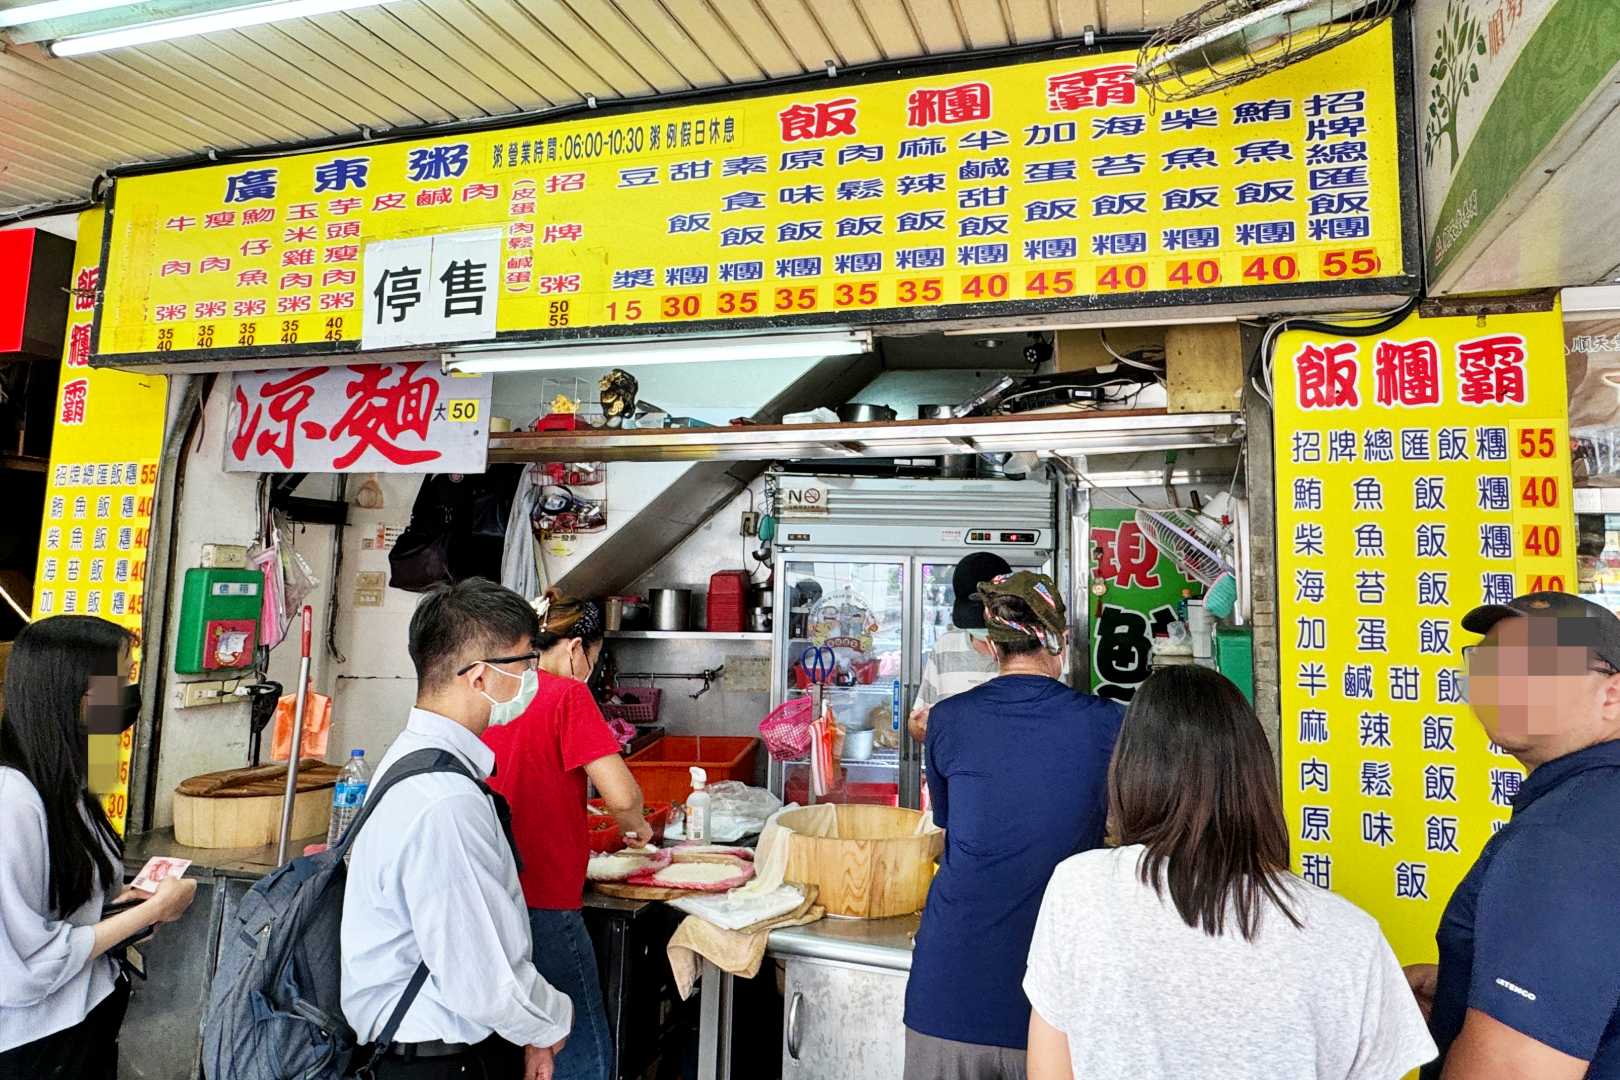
<point>504,712</point>
<point>981,635</point>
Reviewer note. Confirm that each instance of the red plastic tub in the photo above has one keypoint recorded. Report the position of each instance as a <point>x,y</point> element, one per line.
<point>662,768</point>
<point>603,831</point>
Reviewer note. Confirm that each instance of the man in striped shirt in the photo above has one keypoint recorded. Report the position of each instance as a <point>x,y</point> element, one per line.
<point>961,658</point>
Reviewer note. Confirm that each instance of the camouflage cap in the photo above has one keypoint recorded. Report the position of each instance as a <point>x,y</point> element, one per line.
<point>1040,593</point>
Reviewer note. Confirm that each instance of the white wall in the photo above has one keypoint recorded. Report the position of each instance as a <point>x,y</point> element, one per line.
<point>375,686</point>
<point>219,507</point>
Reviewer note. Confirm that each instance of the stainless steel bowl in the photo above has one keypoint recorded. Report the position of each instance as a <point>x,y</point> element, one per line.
<point>856,413</point>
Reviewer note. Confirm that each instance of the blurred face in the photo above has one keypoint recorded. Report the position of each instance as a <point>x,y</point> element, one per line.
<point>1538,697</point>
<point>111,705</point>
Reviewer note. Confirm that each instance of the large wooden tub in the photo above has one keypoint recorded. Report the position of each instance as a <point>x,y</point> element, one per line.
<point>876,867</point>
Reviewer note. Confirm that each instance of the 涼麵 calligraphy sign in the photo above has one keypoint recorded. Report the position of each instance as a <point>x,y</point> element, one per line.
<point>1420,472</point>
<point>1052,185</point>
<point>394,417</point>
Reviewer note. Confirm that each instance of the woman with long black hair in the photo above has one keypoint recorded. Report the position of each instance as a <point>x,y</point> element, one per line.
<point>62,997</point>
<point>1190,950</point>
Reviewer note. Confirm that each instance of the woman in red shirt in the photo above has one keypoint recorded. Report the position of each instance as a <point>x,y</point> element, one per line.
<point>543,759</point>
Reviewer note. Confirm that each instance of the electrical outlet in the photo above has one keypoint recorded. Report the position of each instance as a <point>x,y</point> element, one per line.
<point>224,557</point>
<point>750,523</point>
<point>193,694</point>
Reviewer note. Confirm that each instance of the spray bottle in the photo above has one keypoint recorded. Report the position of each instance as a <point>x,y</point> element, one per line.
<point>697,808</point>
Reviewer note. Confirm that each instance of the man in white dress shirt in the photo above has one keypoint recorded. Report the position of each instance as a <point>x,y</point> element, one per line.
<point>432,877</point>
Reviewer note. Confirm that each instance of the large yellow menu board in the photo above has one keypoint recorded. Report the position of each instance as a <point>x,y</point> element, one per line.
<point>105,447</point>
<point>1420,473</point>
<point>1054,183</point>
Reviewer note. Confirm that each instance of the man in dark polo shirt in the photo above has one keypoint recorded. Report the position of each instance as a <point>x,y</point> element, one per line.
<point>1528,984</point>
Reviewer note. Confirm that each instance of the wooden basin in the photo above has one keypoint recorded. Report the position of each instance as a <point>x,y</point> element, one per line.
<point>875,868</point>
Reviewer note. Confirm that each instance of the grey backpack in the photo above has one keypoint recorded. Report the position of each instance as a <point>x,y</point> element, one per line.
<point>275,1012</point>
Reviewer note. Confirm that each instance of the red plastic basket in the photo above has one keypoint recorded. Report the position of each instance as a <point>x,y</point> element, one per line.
<point>642,710</point>
<point>604,833</point>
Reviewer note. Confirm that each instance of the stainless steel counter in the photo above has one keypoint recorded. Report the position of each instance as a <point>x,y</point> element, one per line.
<point>877,943</point>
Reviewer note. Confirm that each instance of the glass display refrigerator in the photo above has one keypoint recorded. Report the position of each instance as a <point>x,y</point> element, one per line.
<point>863,591</point>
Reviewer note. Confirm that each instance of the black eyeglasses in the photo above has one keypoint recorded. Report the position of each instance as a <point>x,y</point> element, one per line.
<point>533,659</point>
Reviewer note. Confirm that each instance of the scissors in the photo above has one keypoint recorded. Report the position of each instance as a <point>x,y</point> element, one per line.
<point>819,662</point>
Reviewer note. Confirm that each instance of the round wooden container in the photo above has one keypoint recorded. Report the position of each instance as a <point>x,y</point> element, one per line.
<point>241,808</point>
<point>875,868</point>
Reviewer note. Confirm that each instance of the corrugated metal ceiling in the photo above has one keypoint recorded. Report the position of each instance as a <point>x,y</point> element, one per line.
<point>415,62</point>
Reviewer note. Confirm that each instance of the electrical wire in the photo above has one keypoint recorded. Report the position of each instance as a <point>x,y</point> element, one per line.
<point>27,618</point>
<point>1381,322</point>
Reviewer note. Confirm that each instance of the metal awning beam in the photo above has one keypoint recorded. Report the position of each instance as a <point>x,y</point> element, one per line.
<point>1088,433</point>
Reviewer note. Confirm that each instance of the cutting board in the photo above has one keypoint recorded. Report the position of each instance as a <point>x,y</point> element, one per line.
<point>241,808</point>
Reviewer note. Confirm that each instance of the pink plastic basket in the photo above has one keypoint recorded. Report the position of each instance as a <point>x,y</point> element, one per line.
<point>644,710</point>
<point>787,730</point>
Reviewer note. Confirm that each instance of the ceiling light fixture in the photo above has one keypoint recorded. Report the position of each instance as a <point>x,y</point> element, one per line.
<point>54,9</point>
<point>204,22</point>
<point>676,351</point>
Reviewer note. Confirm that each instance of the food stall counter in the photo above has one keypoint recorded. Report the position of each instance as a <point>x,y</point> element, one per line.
<point>875,943</point>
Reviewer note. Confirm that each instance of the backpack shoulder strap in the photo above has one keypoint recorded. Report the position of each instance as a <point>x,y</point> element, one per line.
<point>416,763</point>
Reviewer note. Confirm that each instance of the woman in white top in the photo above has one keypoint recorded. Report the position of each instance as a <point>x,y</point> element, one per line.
<point>62,996</point>
<point>1190,950</point>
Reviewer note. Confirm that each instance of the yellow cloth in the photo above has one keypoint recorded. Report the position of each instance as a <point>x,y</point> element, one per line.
<point>732,951</point>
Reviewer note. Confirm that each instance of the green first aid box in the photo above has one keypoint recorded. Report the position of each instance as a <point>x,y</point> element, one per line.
<point>219,621</point>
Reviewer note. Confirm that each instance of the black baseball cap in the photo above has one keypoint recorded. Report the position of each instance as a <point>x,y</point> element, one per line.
<point>968,611</point>
<point>1581,622</point>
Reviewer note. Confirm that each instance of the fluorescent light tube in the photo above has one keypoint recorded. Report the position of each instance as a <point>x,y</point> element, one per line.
<point>54,9</point>
<point>210,22</point>
<point>673,351</point>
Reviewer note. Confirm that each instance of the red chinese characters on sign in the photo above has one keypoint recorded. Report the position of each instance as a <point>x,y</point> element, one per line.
<point>1325,378</point>
<point>285,399</point>
<point>79,346</point>
<point>822,120</point>
<point>1406,373</point>
<point>1490,371</point>
<point>948,105</point>
<point>328,419</point>
<point>75,401</point>
<point>1126,557</point>
<point>1093,88</point>
<point>84,289</point>
<point>381,412</point>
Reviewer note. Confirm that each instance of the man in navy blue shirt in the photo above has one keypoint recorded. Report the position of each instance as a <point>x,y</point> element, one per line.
<point>1528,984</point>
<point>1017,776</point>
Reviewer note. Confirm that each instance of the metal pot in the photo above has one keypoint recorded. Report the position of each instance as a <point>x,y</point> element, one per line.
<point>671,608</point>
<point>951,466</point>
<point>856,413</point>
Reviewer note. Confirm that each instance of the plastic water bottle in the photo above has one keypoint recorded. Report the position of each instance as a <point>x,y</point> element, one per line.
<point>348,796</point>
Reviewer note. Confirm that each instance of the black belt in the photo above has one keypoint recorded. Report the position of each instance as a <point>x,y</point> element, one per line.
<point>431,1049</point>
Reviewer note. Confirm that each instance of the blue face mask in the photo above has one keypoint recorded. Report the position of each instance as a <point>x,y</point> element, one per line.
<point>504,712</point>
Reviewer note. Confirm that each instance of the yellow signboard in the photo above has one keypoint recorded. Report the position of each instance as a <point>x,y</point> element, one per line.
<point>1420,472</point>
<point>1053,184</point>
<point>105,446</point>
